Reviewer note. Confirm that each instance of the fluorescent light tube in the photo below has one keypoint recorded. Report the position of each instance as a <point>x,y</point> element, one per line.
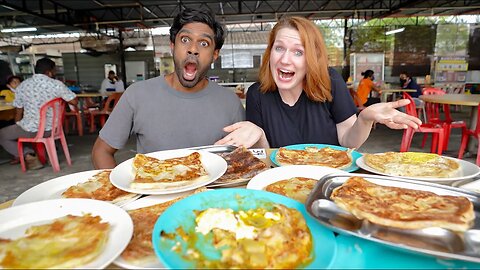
<point>391,32</point>
<point>25,29</point>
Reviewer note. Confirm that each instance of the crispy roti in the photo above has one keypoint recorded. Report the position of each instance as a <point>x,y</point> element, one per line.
<point>297,188</point>
<point>66,242</point>
<point>326,156</point>
<point>139,250</point>
<point>98,187</point>
<point>242,165</point>
<point>414,164</point>
<point>403,208</point>
<point>153,173</point>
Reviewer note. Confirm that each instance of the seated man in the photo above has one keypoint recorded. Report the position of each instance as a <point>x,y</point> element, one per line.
<point>407,82</point>
<point>181,109</point>
<point>29,98</point>
<point>111,84</point>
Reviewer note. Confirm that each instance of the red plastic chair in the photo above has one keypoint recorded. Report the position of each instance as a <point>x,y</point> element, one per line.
<point>77,115</point>
<point>434,117</point>
<point>466,136</point>
<point>105,111</point>
<point>57,108</point>
<point>437,130</point>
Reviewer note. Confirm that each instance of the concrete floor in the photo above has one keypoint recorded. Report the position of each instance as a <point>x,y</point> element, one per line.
<point>13,181</point>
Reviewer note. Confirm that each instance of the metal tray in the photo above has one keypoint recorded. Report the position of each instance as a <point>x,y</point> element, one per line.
<point>431,241</point>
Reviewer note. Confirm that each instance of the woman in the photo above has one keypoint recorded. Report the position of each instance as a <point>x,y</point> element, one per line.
<point>12,83</point>
<point>300,100</point>
<point>365,87</point>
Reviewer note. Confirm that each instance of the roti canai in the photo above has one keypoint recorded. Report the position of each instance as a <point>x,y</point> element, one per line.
<point>242,165</point>
<point>403,208</point>
<point>414,164</point>
<point>153,173</point>
<point>98,187</point>
<point>297,188</point>
<point>67,242</point>
<point>326,156</point>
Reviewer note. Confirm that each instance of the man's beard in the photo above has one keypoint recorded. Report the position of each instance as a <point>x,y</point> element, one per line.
<point>179,69</point>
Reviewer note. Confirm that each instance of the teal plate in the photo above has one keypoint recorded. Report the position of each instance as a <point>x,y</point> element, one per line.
<point>355,154</point>
<point>354,252</point>
<point>181,214</point>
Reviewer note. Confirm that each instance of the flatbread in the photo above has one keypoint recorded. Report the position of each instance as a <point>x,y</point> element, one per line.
<point>297,188</point>
<point>326,156</point>
<point>98,187</point>
<point>403,208</point>
<point>139,250</point>
<point>66,242</point>
<point>153,173</point>
<point>242,165</point>
<point>414,164</point>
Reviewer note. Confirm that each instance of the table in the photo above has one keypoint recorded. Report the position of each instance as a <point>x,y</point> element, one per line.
<point>7,112</point>
<point>85,96</point>
<point>387,92</point>
<point>346,250</point>
<point>470,100</point>
<point>90,95</point>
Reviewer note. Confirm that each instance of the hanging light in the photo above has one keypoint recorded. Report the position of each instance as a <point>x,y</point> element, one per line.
<point>24,29</point>
<point>391,32</point>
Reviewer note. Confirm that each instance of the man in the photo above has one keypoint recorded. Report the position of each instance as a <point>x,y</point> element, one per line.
<point>112,84</point>
<point>181,109</point>
<point>30,95</point>
<point>407,82</point>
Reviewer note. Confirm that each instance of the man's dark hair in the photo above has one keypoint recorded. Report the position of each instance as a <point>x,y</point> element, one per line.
<point>44,65</point>
<point>406,74</point>
<point>11,78</point>
<point>189,15</point>
<point>111,72</point>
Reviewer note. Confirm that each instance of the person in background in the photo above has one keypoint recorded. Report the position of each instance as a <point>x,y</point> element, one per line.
<point>12,83</point>
<point>407,82</point>
<point>30,95</point>
<point>181,109</point>
<point>112,84</point>
<point>299,99</point>
<point>365,87</point>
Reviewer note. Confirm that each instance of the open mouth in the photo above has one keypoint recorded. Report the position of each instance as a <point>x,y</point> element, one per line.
<point>285,74</point>
<point>189,71</point>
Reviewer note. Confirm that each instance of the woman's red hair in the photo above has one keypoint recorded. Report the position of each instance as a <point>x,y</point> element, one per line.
<point>316,83</point>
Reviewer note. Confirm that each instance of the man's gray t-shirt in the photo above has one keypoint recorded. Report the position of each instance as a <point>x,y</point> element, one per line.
<point>163,118</point>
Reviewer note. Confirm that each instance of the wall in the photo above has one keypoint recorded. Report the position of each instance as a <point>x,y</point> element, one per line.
<point>91,68</point>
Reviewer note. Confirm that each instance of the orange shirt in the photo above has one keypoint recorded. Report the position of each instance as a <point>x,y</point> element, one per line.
<point>364,89</point>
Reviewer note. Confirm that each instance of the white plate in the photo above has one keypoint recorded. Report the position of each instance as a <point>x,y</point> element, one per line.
<point>15,220</point>
<point>144,202</point>
<point>53,189</point>
<point>469,170</point>
<point>123,174</point>
<point>472,186</point>
<point>265,178</point>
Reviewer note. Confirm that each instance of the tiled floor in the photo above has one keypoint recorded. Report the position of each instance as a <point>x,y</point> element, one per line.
<point>13,181</point>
